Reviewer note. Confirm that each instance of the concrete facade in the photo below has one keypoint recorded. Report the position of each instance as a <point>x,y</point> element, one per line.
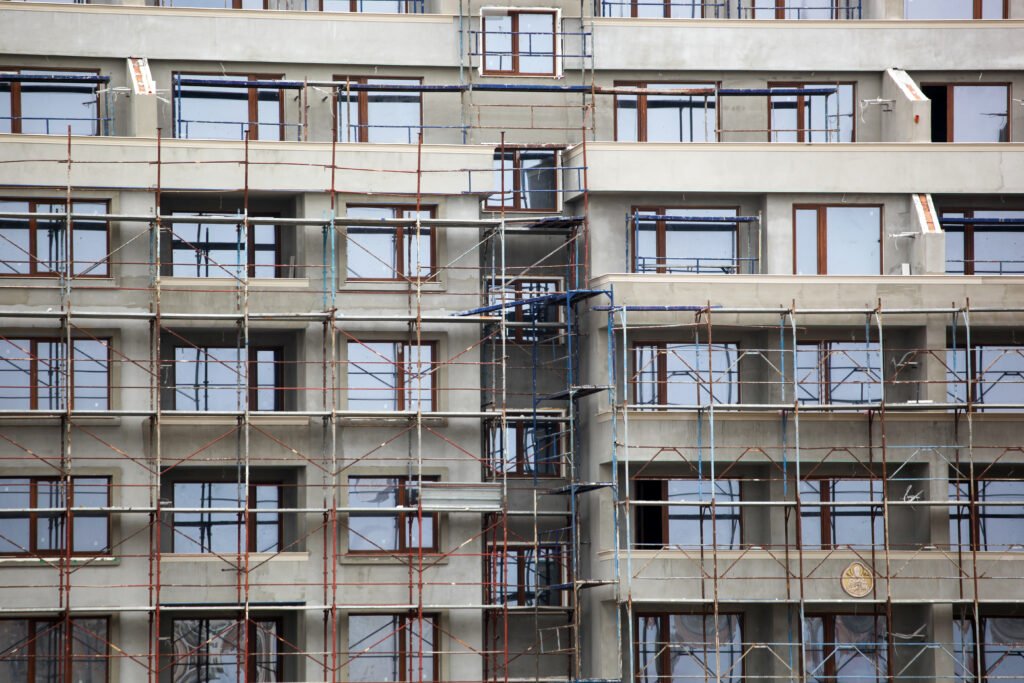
<point>538,571</point>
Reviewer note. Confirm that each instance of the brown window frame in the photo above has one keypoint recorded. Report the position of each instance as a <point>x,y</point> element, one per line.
<point>641,106</point>
<point>404,636</point>
<point>405,547</point>
<point>661,232</point>
<point>493,562</point>
<point>801,127</point>
<point>33,261</point>
<point>362,98</point>
<point>514,13</point>
<point>822,234</point>
<point>67,656</point>
<point>824,350</point>
<point>664,654</point>
<point>704,512</point>
<point>978,7</point>
<point>253,124</point>
<point>69,356</point>
<point>251,626</point>
<point>249,522</point>
<point>519,428</point>
<point>400,274</point>
<point>401,399</point>
<point>251,361</point>
<point>517,190</point>
<point>16,122</point>
<point>829,646</point>
<point>662,368</point>
<point>250,247</point>
<point>68,516</point>
<point>825,516</point>
<point>967,229</point>
<point>950,105</point>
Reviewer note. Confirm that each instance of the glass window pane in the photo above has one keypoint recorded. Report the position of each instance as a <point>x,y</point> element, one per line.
<point>51,531</point>
<point>209,378</point>
<point>48,648</point>
<point>856,527</point>
<point>810,513</point>
<point>15,374</point>
<point>376,533</point>
<point>265,256</point>
<point>998,249</point>
<point>691,526</point>
<point>89,241</point>
<point>373,647</point>
<point>373,376</point>
<point>853,372</point>
<point>956,254</point>
<point>698,650</point>
<point>268,113</point>
<point>497,43</point>
<point>6,120</point>
<point>626,119</point>
<point>940,9</point>
<point>536,43</point>
<point>980,113</point>
<point>1000,374</point>
<point>15,256</point>
<point>50,375</point>
<point>964,656</point>
<point>207,650</point>
<point>538,180</point>
<point>207,532</point>
<point>648,386</point>
<point>51,240</point>
<point>1003,638</point>
<point>269,395</point>
<point>50,108</point>
<point>705,248</point>
<point>697,374</point>
<point>419,377</point>
<point>1001,526</point>
<point>15,494</point>
<point>807,242</point>
<point>785,118</point>
<point>682,118</point>
<point>419,649</point>
<point>90,528</point>
<point>266,653</point>
<point>91,375</point>
<point>268,524</point>
<point>854,240</point>
<point>393,116</point>
<point>960,515</point>
<point>207,249</point>
<point>212,112</point>
<point>811,9</point>
<point>372,252</point>
<point>860,648</point>
<point>649,647</point>
<point>809,363</point>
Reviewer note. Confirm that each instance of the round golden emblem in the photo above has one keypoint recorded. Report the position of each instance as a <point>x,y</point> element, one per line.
<point>858,580</point>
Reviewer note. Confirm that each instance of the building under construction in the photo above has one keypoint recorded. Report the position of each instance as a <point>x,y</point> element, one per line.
<point>406,341</point>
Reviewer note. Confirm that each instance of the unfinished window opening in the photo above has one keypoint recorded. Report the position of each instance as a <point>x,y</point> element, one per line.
<point>226,648</point>
<point>26,531</point>
<point>390,252</point>
<point>998,652</point>
<point>39,246</point>
<point>226,532</point>
<point>38,651</point>
<point>391,376</point>
<point>837,240</point>
<point>667,118</point>
<point>829,522</point>
<point>838,373</point>
<point>799,9</point>
<point>525,576</point>
<point>390,530</point>
<point>671,647</point>
<point>225,250</point>
<point>378,115</point>
<point>846,648</point>
<point>519,42</point>
<point>50,105</point>
<point>546,310</point>
<point>526,448</point>
<point>209,378</point>
<point>813,117</point>
<point>991,377</point>
<point>392,647</point>
<point>988,514</point>
<point>956,9</point>
<point>688,527</point>
<point>984,247</point>
<point>524,180</point>
<point>682,374</point>
<point>676,240</point>
<point>970,112</point>
<point>35,373</point>
<point>230,111</point>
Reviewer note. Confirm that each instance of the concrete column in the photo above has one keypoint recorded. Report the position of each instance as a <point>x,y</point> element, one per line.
<point>907,118</point>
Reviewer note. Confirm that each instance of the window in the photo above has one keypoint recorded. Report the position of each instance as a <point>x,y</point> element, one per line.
<point>24,532</point>
<point>228,112</point>
<point>36,650</point>
<point>50,105</point>
<point>846,648</point>
<point>523,576</point>
<point>520,42</point>
<point>223,650</point>
<point>688,526</point>
<point>984,248</point>
<point>813,118</point>
<point>667,118</point>
<point>376,6</point>
<point>392,648</point>
<point>799,9</point>
<point>998,526</point>
<point>838,373</point>
<point>956,9</point>
<point>524,180</point>
<point>226,532</point>
<point>217,4</point>
<point>391,375</point>
<point>995,376</point>
<point>837,240</point>
<point>546,310</point>
<point>39,246</point>
<point>689,647</point>
<point>217,249</point>
<point>685,240</point>
<point>827,521</point>
<point>225,378</point>
<point>1000,649</point>
<point>390,252</point>
<point>525,448</point>
<point>379,115</point>
<point>34,373</point>
<point>389,530</point>
<point>974,112</point>
<point>667,374</point>
<point>676,9</point>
